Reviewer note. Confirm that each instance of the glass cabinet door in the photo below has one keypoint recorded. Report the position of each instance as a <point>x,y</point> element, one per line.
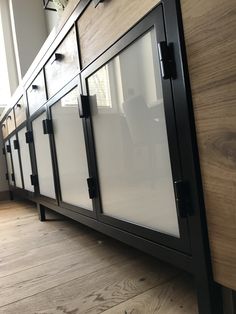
<point>16,162</point>
<point>43,158</point>
<point>71,151</point>
<point>131,141</point>
<point>25,160</point>
<point>9,164</point>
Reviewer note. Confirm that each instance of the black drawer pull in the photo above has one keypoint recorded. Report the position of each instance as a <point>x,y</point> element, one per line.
<point>97,2</point>
<point>9,117</point>
<point>57,57</point>
<point>18,105</point>
<point>3,125</point>
<point>34,87</point>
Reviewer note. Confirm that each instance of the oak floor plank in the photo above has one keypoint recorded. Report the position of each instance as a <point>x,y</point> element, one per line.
<point>61,269</point>
<point>98,291</point>
<point>60,266</point>
<point>174,297</point>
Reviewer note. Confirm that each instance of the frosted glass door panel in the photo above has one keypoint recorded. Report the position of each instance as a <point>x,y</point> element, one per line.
<point>131,139</point>
<point>9,166</point>
<point>71,152</point>
<point>25,160</point>
<point>43,158</point>
<point>16,163</point>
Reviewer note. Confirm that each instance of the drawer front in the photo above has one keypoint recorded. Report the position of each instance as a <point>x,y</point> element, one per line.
<point>63,64</point>
<point>100,27</point>
<point>11,121</point>
<point>36,93</point>
<point>20,111</point>
<point>4,129</point>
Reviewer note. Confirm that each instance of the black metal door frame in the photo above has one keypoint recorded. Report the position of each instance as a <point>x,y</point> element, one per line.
<point>73,84</point>
<point>209,294</point>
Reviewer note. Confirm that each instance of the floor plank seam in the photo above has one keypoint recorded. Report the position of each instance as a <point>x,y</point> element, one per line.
<point>61,284</point>
<point>143,292</point>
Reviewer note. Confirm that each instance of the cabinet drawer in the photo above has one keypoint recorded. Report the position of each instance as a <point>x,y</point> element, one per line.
<point>100,27</point>
<point>20,111</point>
<point>11,121</point>
<point>63,64</point>
<point>36,93</point>
<point>4,129</point>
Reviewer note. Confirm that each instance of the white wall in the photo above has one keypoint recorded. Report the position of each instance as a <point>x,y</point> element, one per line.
<point>29,31</point>
<point>7,50</point>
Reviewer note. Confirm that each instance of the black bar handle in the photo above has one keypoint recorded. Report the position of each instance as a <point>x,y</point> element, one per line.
<point>47,126</point>
<point>8,147</point>
<point>34,179</point>
<point>16,144</point>
<point>13,177</point>
<point>57,57</point>
<point>18,105</point>
<point>29,137</point>
<point>9,117</point>
<point>91,188</point>
<point>84,107</point>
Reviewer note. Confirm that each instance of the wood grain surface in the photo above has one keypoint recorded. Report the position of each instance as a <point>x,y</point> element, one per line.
<point>60,72</point>
<point>20,111</point>
<point>210,34</point>
<point>100,27</point>
<point>61,266</point>
<point>37,97</point>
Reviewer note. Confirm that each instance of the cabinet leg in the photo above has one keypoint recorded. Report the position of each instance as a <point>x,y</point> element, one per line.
<point>229,298</point>
<point>11,195</point>
<point>41,212</point>
<point>209,296</point>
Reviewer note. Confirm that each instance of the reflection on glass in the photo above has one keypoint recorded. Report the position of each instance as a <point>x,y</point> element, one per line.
<point>16,163</point>
<point>9,165</point>
<point>43,158</point>
<point>25,160</point>
<point>131,139</point>
<point>71,152</point>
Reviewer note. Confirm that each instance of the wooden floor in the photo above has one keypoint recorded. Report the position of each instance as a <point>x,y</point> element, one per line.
<point>60,266</point>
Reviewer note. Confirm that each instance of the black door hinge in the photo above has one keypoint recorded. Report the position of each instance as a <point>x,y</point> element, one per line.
<point>91,187</point>
<point>8,148</point>
<point>7,176</point>
<point>167,64</point>
<point>183,199</point>
<point>47,126</point>
<point>84,109</point>
<point>3,151</point>
<point>16,144</point>
<point>13,177</point>
<point>34,179</point>
<point>29,137</point>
